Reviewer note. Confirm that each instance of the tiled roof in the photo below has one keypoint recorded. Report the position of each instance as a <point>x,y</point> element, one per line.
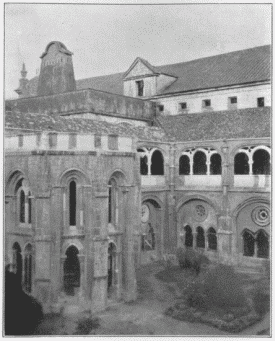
<point>239,67</point>
<point>243,123</point>
<point>45,122</point>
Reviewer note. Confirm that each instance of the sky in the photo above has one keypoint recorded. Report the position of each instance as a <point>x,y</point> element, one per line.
<point>106,39</point>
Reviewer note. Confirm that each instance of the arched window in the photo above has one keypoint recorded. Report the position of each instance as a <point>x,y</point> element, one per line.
<point>261,162</point>
<point>143,162</point>
<point>200,237</point>
<point>30,208</point>
<point>241,165</point>
<point>28,268</point>
<point>262,245</point>
<point>71,271</point>
<point>72,202</point>
<point>248,244</point>
<point>199,163</point>
<point>215,164</point>
<point>184,165</point>
<point>113,202</point>
<point>157,163</point>
<point>212,239</point>
<point>188,236</point>
<point>22,206</point>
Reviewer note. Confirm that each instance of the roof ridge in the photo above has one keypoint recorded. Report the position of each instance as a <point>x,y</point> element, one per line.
<point>216,55</point>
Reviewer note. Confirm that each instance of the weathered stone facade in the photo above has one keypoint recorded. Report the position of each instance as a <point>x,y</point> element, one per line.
<point>98,183</point>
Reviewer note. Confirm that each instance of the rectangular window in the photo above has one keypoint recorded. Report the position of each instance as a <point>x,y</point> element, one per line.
<point>206,103</point>
<point>140,87</point>
<point>183,105</point>
<point>52,140</point>
<point>97,141</point>
<point>260,102</point>
<point>20,140</point>
<point>161,107</point>
<point>72,141</point>
<point>233,100</point>
<point>113,142</point>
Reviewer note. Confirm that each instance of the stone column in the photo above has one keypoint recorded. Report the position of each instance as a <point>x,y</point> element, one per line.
<point>172,201</point>
<point>44,253</point>
<point>224,233</point>
<point>100,251</point>
<point>131,204</point>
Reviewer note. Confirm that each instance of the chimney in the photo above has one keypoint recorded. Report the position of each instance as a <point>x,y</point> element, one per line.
<point>56,71</point>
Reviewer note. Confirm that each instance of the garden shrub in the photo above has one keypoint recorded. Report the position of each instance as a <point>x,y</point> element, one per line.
<point>223,287</point>
<point>261,299</point>
<point>191,259</point>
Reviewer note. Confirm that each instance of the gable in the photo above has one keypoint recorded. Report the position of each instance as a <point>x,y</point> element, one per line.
<point>139,69</point>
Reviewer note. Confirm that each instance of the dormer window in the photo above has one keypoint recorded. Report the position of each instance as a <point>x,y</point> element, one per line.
<point>140,87</point>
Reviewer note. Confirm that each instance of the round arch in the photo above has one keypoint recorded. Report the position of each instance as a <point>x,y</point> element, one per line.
<point>119,175</point>
<point>12,179</point>
<point>73,173</point>
<point>149,197</point>
<point>76,243</point>
<point>236,149</point>
<point>182,201</point>
<point>249,201</point>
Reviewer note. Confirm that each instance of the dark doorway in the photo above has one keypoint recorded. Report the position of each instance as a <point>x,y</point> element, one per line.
<point>28,268</point>
<point>17,261</point>
<point>71,271</point>
<point>111,266</point>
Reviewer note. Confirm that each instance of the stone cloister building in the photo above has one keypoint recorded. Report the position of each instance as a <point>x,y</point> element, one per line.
<point>108,173</point>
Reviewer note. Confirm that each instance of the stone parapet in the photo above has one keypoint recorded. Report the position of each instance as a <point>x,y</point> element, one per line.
<point>68,141</point>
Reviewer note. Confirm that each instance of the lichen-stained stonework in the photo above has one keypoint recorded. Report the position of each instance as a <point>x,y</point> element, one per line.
<point>98,183</point>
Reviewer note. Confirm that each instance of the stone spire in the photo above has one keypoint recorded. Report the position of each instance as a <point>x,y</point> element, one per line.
<point>56,72</point>
<point>22,90</point>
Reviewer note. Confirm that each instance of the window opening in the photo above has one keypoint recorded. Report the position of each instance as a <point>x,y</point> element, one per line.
<point>157,165</point>
<point>200,237</point>
<point>72,199</point>
<point>111,266</point>
<point>241,165</point>
<point>261,162</point>
<point>143,163</point>
<point>212,239</point>
<point>71,271</point>
<point>206,103</point>
<point>161,107</point>
<point>184,165</point>
<point>112,209</point>
<point>262,245</point>
<point>260,102</point>
<point>248,244</point>
<point>140,87</point>
<point>30,208</point>
<point>188,236</point>
<point>233,100</point>
<point>22,206</point>
<point>215,164</point>
<point>199,163</point>
<point>183,105</point>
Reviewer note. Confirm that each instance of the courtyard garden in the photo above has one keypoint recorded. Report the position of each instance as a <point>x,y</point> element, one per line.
<point>215,294</point>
